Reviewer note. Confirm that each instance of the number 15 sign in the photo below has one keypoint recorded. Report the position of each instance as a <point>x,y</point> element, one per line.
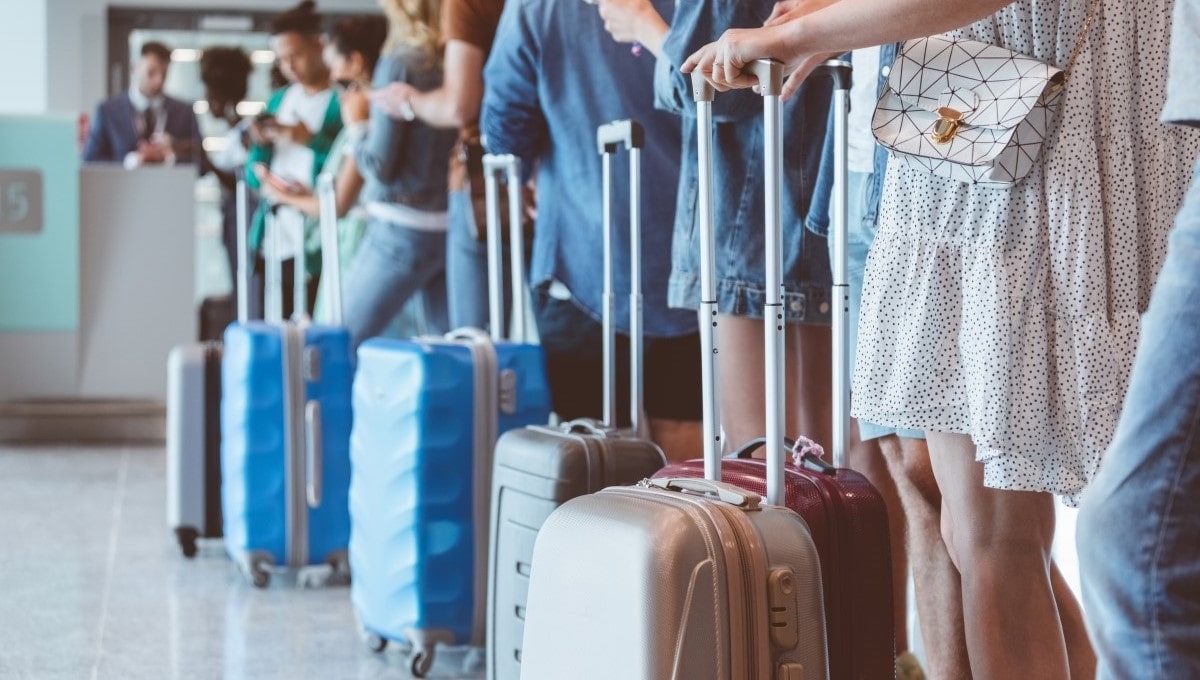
<point>20,201</point>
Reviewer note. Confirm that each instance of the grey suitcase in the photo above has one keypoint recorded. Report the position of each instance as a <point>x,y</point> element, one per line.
<point>194,422</point>
<point>687,578</point>
<point>539,468</point>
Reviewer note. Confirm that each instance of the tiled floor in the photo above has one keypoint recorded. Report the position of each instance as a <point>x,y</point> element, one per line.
<point>93,588</point>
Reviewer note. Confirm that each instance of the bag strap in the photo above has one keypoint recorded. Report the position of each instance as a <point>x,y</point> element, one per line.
<point>1087,26</point>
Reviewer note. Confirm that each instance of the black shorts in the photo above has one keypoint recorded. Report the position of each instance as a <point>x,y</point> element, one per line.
<point>573,343</point>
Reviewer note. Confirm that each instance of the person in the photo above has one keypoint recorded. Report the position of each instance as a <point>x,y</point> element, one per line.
<point>553,77</point>
<point>404,165</point>
<point>291,139</point>
<point>1138,561</point>
<point>225,72</point>
<point>354,48</point>
<point>739,219</point>
<point>143,126</point>
<point>468,30</point>
<point>1002,322</point>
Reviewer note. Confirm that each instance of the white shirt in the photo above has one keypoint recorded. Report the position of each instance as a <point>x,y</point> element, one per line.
<point>863,97</point>
<point>294,162</point>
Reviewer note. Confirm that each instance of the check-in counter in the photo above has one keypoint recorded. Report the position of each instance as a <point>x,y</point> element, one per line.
<point>96,290</point>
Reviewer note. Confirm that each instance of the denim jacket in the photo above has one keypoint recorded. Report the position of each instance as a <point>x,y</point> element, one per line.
<point>738,166</point>
<point>405,161</point>
<point>818,213</point>
<point>555,75</point>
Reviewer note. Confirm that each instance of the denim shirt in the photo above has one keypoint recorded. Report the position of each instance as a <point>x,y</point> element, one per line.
<point>405,161</point>
<point>738,135</point>
<point>818,213</point>
<point>554,76</point>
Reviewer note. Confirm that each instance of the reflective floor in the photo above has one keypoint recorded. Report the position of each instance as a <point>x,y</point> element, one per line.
<point>92,587</point>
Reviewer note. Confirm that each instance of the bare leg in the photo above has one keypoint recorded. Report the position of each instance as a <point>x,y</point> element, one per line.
<point>865,457</point>
<point>938,590</point>
<point>1000,542</point>
<point>680,440</point>
<point>1080,654</point>
<point>743,398</point>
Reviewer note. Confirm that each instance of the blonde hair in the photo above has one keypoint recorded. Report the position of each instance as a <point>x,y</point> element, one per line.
<point>413,23</point>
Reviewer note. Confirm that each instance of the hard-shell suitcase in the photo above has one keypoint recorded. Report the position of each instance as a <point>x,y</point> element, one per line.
<point>685,578</point>
<point>846,514</point>
<point>539,468</point>
<point>194,418</point>
<point>427,413</point>
<point>285,428</point>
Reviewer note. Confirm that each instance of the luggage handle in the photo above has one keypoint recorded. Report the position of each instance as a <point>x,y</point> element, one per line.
<point>331,262</point>
<point>510,164</point>
<point>726,493</point>
<point>241,204</point>
<point>703,93</point>
<point>273,289</point>
<point>313,453</point>
<point>630,134</point>
<point>803,454</point>
<point>584,426</point>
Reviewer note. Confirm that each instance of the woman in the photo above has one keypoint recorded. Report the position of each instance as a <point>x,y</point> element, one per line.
<point>1003,321</point>
<point>404,165</point>
<point>351,55</point>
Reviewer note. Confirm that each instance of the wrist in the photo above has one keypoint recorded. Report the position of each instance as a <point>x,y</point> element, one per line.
<point>652,31</point>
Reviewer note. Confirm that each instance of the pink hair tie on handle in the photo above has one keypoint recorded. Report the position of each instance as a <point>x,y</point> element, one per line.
<point>806,447</point>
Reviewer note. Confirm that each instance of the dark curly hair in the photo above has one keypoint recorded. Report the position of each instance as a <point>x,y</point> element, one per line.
<point>363,34</point>
<point>302,18</point>
<point>225,71</point>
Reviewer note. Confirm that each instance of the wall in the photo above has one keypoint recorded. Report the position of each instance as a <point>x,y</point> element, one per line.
<point>23,41</point>
<point>77,47</point>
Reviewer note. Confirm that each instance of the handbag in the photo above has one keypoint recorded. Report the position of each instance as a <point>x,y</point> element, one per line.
<point>970,111</point>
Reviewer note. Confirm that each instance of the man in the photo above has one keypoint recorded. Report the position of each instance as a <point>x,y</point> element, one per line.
<point>554,75</point>
<point>292,138</point>
<point>143,126</point>
<point>1138,554</point>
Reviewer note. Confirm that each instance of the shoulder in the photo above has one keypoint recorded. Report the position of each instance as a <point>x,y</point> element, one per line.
<point>113,104</point>
<point>177,104</point>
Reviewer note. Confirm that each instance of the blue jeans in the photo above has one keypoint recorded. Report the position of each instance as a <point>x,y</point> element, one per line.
<point>860,234</point>
<point>467,267</point>
<point>1139,544</point>
<point>391,265</point>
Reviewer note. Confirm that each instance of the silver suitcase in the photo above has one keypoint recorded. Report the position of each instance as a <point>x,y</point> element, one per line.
<point>537,469</point>
<point>687,578</point>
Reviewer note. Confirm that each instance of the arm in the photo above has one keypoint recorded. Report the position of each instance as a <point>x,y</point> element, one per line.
<point>453,105</point>
<point>97,147</point>
<point>695,24</point>
<point>635,21</point>
<point>808,37</point>
<point>512,120</point>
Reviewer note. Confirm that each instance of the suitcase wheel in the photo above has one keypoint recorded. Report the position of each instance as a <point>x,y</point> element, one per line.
<point>420,663</point>
<point>187,540</point>
<point>259,577</point>
<point>375,643</point>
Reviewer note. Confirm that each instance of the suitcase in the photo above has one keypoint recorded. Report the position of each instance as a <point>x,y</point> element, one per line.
<point>194,418</point>
<point>539,468</point>
<point>685,578</point>
<point>845,513</point>
<point>285,429</point>
<point>427,414</point>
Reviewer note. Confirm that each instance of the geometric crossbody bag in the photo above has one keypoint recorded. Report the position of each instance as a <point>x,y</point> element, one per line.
<point>968,110</point>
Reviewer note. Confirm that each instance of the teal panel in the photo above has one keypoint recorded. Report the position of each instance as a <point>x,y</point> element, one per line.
<point>39,267</point>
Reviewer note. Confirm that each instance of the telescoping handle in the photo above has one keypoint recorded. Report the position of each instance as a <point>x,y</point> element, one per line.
<point>609,138</point>
<point>510,165</point>
<point>331,257</point>
<point>770,80</point>
<point>840,71</point>
<point>703,94</point>
<point>273,289</point>
<point>242,206</point>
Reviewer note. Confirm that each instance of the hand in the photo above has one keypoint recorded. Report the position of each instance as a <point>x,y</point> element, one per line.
<point>529,198</point>
<point>263,132</point>
<point>394,100</point>
<point>629,21</point>
<point>152,152</point>
<point>722,63</point>
<point>298,133</point>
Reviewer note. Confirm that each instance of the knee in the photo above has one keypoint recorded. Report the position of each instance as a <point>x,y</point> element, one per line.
<point>908,461</point>
<point>983,551</point>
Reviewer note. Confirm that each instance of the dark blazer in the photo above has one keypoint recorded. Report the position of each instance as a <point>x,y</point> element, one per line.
<point>114,131</point>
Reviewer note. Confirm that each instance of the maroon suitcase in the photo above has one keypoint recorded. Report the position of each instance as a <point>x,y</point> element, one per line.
<point>845,513</point>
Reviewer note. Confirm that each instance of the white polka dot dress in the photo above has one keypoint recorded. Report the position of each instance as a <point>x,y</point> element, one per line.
<point>1012,314</point>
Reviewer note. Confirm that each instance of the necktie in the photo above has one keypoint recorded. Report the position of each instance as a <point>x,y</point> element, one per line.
<point>148,123</point>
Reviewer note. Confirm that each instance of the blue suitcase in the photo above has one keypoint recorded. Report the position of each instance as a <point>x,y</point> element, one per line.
<point>285,431</point>
<point>427,413</point>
